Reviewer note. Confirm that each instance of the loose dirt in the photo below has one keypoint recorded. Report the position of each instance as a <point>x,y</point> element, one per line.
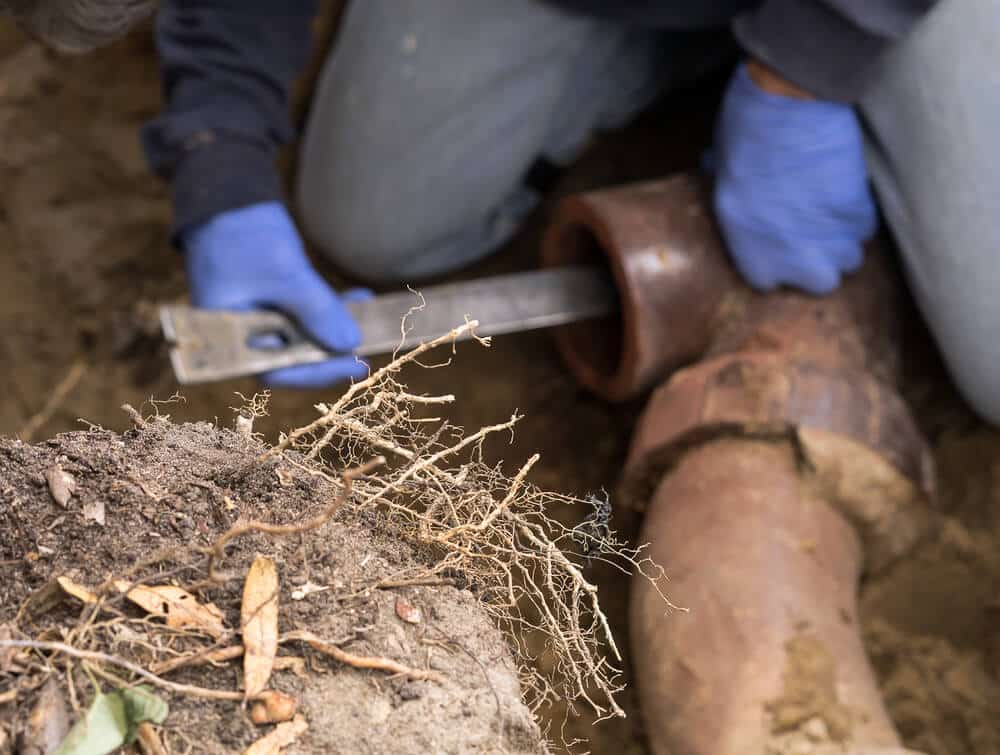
<point>169,488</point>
<point>85,260</point>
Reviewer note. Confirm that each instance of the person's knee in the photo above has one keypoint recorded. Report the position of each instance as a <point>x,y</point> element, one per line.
<point>365,246</point>
<point>977,377</point>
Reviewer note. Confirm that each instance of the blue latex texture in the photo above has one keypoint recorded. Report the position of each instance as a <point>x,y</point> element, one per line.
<point>791,193</point>
<point>254,258</point>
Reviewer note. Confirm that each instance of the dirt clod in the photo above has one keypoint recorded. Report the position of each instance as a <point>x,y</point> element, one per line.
<point>810,692</point>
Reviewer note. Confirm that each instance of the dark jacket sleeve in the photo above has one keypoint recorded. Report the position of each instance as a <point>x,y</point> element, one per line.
<point>828,47</point>
<point>227,67</point>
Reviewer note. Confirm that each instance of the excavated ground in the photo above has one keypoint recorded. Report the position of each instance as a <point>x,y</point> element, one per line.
<point>170,488</point>
<point>86,260</point>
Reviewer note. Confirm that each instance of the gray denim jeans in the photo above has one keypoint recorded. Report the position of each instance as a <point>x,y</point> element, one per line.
<point>429,114</point>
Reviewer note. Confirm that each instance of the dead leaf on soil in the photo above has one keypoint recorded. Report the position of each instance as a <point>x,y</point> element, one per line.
<point>8,697</point>
<point>62,485</point>
<point>79,592</point>
<point>44,599</point>
<point>178,607</point>
<point>48,722</point>
<point>407,611</point>
<point>273,707</point>
<point>282,736</point>
<point>259,618</point>
<point>50,595</point>
<point>94,512</point>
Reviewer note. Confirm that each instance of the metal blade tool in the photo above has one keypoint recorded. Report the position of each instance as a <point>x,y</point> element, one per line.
<point>211,345</point>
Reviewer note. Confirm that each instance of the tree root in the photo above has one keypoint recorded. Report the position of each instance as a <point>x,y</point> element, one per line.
<point>114,660</point>
<point>222,655</point>
<point>361,661</point>
<point>217,551</point>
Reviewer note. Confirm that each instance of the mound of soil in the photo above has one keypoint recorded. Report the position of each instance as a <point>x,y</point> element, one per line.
<point>164,487</point>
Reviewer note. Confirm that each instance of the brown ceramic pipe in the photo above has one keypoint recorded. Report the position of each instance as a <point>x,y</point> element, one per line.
<point>768,573</point>
<point>773,470</point>
<point>659,242</point>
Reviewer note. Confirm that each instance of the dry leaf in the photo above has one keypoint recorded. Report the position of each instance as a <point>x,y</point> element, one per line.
<point>178,607</point>
<point>273,707</point>
<point>44,599</point>
<point>259,619</point>
<point>94,511</point>
<point>8,697</point>
<point>62,485</point>
<point>79,592</point>
<point>48,722</point>
<point>282,736</point>
<point>407,611</point>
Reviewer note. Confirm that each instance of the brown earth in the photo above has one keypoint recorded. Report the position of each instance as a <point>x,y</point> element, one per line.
<point>168,488</point>
<point>86,260</point>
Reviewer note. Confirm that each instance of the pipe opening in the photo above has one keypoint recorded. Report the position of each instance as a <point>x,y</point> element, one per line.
<point>593,344</point>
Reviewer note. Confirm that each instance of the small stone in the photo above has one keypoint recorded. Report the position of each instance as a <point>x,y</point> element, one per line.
<point>62,485</point>
<point>410,692</point>
<point>815,728</point>
<point>94,511</point>
<point>407,611</point>
<point>273,707</point>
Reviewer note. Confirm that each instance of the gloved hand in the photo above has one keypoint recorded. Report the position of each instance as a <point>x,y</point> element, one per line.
<point>791,192</point>
<point>253,258</point>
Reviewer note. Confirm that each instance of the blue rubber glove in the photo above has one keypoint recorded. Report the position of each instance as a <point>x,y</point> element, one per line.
<point>791,193</point>
<point>253,258</point>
